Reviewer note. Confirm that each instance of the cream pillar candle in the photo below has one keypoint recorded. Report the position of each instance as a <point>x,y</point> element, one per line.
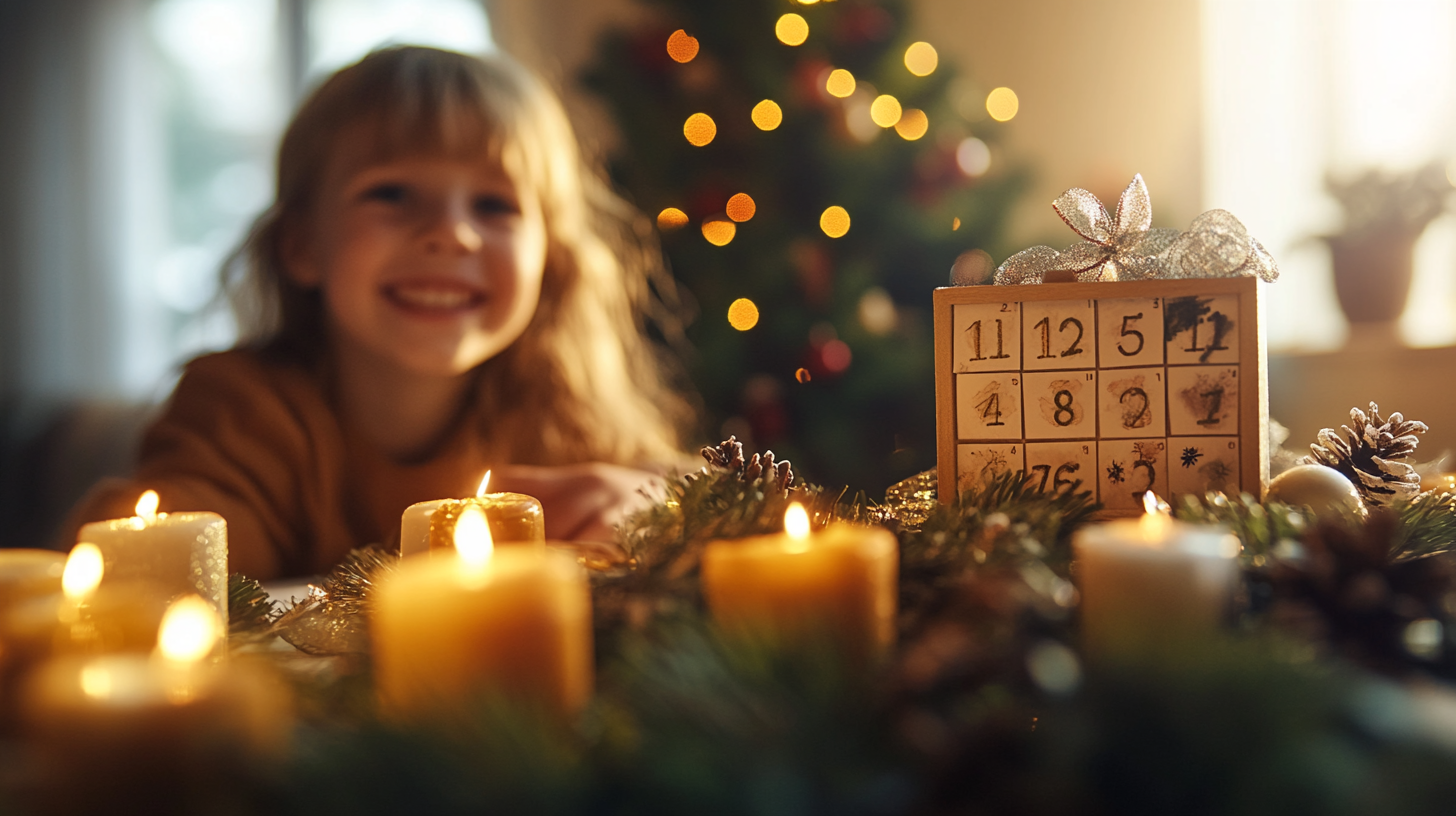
<point>179,553</point>
<point>514,622</point>
<point>514,518</point>
<point>126,732</point>
<point>1152,582</point>
<point>839,583</point>
<point>29,574</point>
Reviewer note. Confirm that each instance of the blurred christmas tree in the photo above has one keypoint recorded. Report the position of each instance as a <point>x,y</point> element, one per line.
<point>828,359</point>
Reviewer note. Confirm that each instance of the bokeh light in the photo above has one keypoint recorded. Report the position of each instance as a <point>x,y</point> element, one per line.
<point>973,268</point>
<point>682,48</point>
<point>840,83</point>
<point>912,125</point>
<point>767,115</point>
<point>836,356</point>
<point>973,157</point>
<point>877,311</point>
<point>743,314</point>
<point>700,129</point>
<point>885,110</point>
<point>741,207</point>
<point>719,231</point>
<point>835,222</point>
<point>1002,104</point>
<point>955,224</point>
<point>791,29</point>
<point>672,218</point>
<point>921,59</point>
<point>802,375</point>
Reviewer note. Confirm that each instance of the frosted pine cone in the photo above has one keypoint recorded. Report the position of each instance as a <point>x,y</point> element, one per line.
<point>1369,455</point>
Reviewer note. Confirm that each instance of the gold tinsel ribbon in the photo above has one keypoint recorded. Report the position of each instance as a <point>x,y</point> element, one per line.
<point>909,502</point>
<point>1215,245</point>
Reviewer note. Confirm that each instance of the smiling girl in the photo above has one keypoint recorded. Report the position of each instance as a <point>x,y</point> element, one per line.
<point>441,287</point>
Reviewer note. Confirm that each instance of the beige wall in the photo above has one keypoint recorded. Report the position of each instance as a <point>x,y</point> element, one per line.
<point>1107,89</point>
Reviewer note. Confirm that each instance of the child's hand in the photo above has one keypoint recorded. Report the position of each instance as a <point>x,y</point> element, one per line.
<point>583,502</point>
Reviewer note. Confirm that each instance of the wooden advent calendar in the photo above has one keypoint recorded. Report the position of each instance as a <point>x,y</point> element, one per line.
<point>1127,386</point>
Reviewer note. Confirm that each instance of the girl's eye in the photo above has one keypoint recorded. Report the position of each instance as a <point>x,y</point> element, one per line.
<point>495,205</point>
<point>389,193</point>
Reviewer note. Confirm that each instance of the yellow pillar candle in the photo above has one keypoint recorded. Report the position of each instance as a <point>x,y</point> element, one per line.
<point>131,732</point>
<point>179,553</point>
<point>1152,582</point>
<point>514,622</point>
<point>29,574</point>
<point>839,582</point>
<point>514,518</point>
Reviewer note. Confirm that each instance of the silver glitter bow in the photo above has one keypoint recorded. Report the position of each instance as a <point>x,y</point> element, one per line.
<point>1215,245</point>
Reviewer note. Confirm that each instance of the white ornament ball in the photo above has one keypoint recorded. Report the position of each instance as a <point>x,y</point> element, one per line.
<point>1321,489</point>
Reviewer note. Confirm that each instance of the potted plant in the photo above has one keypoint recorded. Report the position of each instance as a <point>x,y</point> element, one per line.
<point>1384,213</point>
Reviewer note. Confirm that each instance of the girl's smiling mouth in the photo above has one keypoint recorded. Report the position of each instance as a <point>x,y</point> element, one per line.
<point>438,297</point>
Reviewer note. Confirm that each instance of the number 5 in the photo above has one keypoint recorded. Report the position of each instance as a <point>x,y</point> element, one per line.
<point>1126,332</point>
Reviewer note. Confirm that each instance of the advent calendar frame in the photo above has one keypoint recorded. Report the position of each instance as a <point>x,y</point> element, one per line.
<point>1094,399</point>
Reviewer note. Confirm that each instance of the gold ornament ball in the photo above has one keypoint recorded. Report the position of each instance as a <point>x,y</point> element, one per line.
<point>1321,489</point>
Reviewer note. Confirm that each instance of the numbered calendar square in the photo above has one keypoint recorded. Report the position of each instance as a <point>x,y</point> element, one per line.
<point>1203,400</point>
<point>977,465</point>
<point>1202,330</point>
<point>1129,332</point>
<point>989,405</point>
<point>987,337</point>
<point>1058,465</point>
<point>1199,464</point>
<point>1127,386</point>
<point>1058,335</point>
<point>1060,404</point>
<point>1131,403</point>
<point>1128,468</point>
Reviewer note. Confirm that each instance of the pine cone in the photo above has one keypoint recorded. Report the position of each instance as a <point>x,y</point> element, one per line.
<point>1368,457</point>
<point>1348,588</point>
<point>728,455</point>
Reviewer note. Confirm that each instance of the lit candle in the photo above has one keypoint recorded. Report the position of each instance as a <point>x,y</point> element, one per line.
<point>798,585</point>
<point>179,553</point>
<point>1153,581</point>
<point>122,731</point>
<point>514,622</point>
<point>515,518</point>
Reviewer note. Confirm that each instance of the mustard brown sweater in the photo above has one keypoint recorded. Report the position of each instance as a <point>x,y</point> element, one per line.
<point>257,441</point>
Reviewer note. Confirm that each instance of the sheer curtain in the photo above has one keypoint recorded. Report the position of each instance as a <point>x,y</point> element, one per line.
<point>1297,87</point>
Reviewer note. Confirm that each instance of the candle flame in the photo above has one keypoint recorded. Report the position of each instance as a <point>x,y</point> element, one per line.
<point>1155,523</point>
<point>189,631</point>
<point>1150,502</point>
<point>796,525</point>
<point>95,682</point>
<point>472,537</point>
<point>146,506</point>
<point>84,568</point>
<point>480,491</point>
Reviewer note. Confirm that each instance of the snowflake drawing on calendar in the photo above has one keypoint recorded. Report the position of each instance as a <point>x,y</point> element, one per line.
<point>1139,473</point>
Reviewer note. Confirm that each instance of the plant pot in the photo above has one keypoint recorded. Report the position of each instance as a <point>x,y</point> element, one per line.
<point>1372,273</point>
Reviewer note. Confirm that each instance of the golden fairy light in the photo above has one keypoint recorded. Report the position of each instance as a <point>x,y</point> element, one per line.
<point>743,314</point>
<point>885,110</point>
<point>1002,104</point>
<point>672,218</point>
<point>840,83</point>
<point>719,231</point>
<point>700,129</point>
<point>912,125</point>
<point>767,115</point>
<point>955,224</point>
<point>681,47</point>
<point>84,568</point>
<point>473,543</point>
<point>803,375</point>
<point>190,629</point>
<point>796,525</point>
<point>791,29</point>
<point>921,59</point>
<point>877,313</point>
<point>835,222</point>
<point>973,157</point>
<point>741,207</point>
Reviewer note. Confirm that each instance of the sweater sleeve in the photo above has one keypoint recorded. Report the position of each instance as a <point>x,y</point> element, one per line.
<point>248,441</point>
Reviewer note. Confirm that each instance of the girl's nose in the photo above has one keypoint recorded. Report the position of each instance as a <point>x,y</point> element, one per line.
<point>453,235</point>
<point>467,236</point>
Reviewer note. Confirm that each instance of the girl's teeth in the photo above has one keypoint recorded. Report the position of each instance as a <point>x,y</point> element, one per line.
<point>433,298</point>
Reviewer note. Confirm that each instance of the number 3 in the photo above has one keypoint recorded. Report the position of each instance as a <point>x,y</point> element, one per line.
<point>1126,332</point>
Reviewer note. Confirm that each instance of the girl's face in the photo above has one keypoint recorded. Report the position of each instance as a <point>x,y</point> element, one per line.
<point>433,264</point>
